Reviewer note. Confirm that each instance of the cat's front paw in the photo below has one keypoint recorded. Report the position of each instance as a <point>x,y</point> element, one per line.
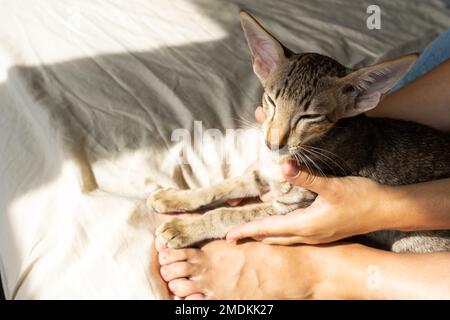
<point>179,233</point>
<point>171,200</point>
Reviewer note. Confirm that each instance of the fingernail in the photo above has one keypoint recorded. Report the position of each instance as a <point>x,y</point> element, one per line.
<point>290,168</point>
<point>164,271</point>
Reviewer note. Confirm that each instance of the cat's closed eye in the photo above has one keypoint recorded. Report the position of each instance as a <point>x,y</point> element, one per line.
<point>310,116</point>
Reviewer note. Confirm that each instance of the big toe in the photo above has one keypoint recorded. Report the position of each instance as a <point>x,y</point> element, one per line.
<point>196,296</point>
<point>184,287</point>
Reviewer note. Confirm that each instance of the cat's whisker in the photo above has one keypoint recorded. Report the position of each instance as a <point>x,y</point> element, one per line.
<point>246,123</point>
<point>321,152</point>
<point>313,163</point>
<point>319,157</point>
<point>306,161</point>
<point>300,160</point>
<point>324,150</point>
<point>328,161</point>
<point>341,163</point>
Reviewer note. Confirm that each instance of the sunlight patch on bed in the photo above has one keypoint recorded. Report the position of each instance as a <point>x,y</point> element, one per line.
<point>57,30</point>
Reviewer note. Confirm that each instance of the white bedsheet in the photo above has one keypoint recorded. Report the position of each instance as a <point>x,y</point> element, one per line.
<point>97,86</point>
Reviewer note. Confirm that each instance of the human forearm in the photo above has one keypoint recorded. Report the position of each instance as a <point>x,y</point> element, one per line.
<point>422,206</point>
<point>425,100</point>
<point>352,206</point>
<point>353,271</point>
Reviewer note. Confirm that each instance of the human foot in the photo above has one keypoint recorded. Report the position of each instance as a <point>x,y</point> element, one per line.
<point>252,270</point>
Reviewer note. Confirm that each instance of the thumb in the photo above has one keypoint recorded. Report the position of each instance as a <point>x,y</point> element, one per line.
<point>259,115</point>
<point>298,177</point>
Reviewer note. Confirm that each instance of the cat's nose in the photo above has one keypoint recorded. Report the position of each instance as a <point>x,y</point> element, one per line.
<point>274,146</point>
<point>276,140</point>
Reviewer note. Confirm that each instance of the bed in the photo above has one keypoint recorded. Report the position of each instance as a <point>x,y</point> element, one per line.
<point>91,93</point>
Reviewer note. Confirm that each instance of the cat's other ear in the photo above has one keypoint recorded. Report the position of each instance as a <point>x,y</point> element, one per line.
<point>368,85</point>
<point>267,53</point>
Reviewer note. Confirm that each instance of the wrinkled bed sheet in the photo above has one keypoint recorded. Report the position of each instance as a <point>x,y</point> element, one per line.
<point>90,94</point>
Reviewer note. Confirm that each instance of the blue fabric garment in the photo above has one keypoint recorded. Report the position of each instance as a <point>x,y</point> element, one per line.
<point>433,55</point>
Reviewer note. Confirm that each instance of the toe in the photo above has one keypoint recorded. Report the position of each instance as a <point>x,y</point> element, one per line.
<point>177,270</point>
<point>159,244</point>
<point>184,287</point>
<point>196,296</point>
<point>168,256</point>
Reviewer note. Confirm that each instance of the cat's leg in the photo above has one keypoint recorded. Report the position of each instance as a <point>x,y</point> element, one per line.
<point>249,184</point>
<point>215,224</point>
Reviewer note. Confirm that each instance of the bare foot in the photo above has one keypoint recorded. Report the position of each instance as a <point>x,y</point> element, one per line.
<point>252,270</point>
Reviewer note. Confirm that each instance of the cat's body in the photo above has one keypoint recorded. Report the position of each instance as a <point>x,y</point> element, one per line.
<point>391,152</point>
<point>318,117</point>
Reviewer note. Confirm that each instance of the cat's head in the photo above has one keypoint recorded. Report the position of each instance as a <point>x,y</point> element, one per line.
<point>306,94</point>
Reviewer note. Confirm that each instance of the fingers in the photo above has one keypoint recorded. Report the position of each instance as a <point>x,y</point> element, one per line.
<point>287,241</point>
<point>272,226</point>
<point>259,115</point>
<point>298,177</point>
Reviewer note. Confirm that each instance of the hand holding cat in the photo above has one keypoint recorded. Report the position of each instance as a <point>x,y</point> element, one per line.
<point>344,207</point>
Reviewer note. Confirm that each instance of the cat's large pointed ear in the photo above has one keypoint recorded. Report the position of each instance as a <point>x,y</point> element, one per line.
<point>267,53</point>
<point>369,84</point>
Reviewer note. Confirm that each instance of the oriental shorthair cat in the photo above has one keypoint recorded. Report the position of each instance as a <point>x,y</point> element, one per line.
<point>314,114</point>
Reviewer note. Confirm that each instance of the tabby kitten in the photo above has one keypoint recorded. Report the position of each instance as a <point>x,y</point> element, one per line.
<point>314,110</point>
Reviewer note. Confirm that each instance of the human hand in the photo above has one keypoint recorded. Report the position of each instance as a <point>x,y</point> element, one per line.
<point>344,207</point>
